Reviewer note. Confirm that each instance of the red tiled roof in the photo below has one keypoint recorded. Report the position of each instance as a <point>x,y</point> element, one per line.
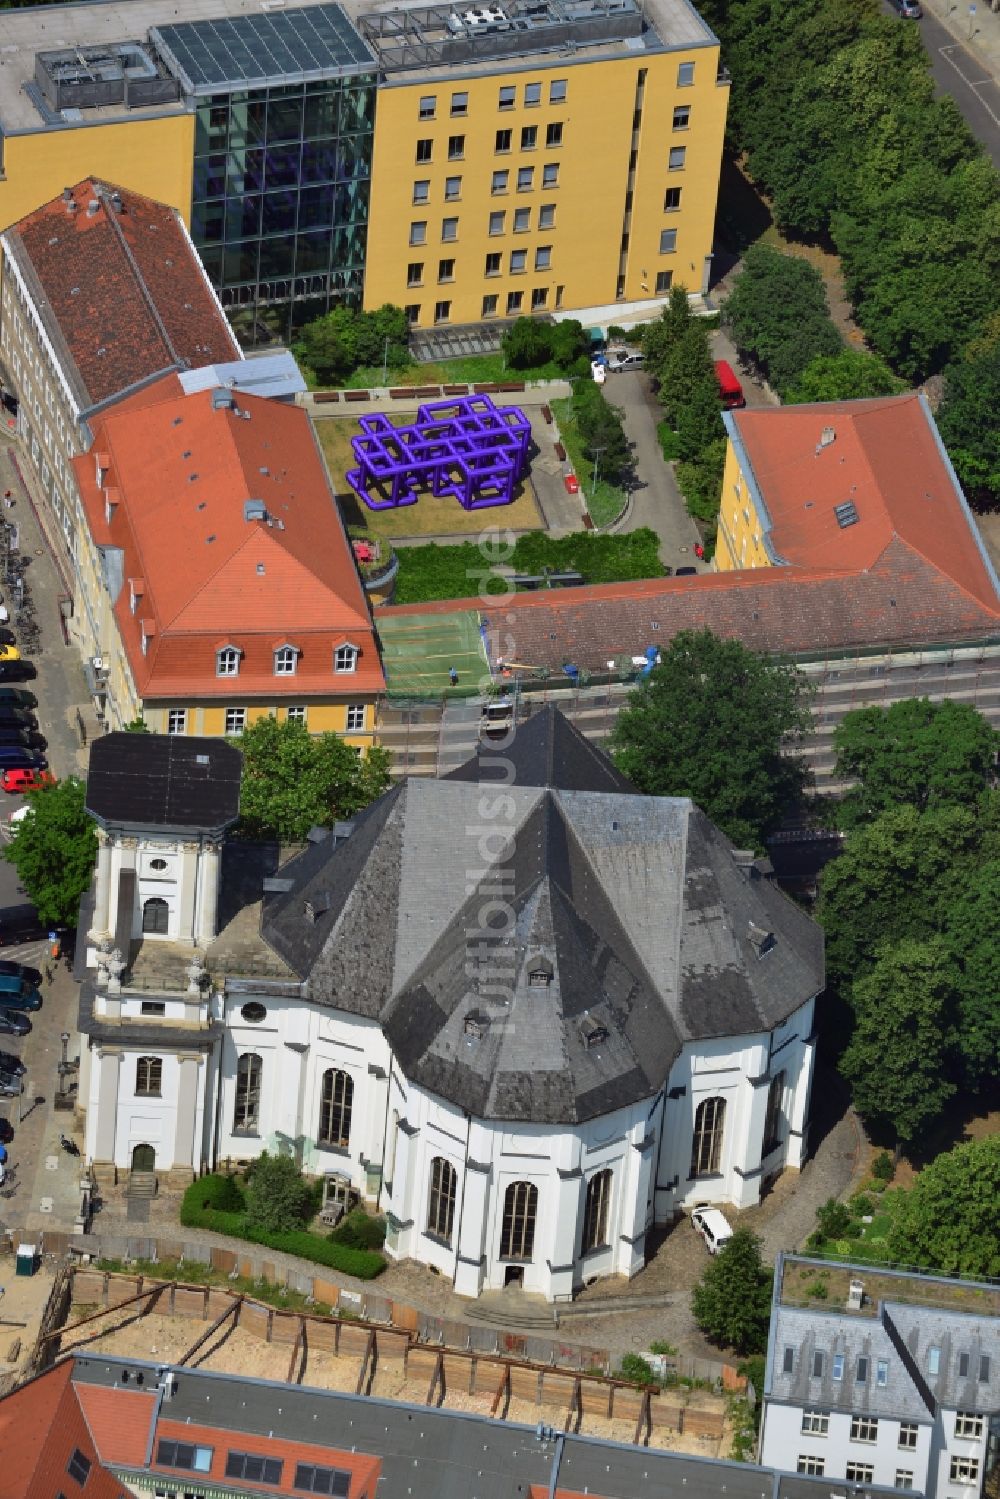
<point>41,1424</point>
<point>363,1468</point>
<point>126,290</point>
<point>120,1421</point>
<point>883,457</point>
<point>901,601</point>
<point>186,471</point>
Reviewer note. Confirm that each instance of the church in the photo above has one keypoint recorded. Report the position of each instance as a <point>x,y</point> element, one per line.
<point>525,1011</point>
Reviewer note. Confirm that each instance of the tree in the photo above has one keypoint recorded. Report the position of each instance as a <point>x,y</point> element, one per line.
<point>278,1198</point>
<point>850,375</point>
<point>948,1220</point>
<point>732,1301</point>
<point>342,340</point>
<point>293,780</point>
<point>602,430</point>
<point>136,726</point>
<point>914,753</point>
<point>968,425</point>
<point>719,723</point>
<point>898,877</point>
<point>897,1059</point>
<point>972,934</point>
<point>54,851</point>
<point>778,317</point>
<point>526,344</point>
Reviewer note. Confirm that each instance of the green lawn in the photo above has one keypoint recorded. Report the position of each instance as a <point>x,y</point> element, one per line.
<point>609,499</point>
<point>473,369</point>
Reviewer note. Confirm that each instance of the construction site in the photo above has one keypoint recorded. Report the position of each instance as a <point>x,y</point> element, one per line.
<point>214,1328</point>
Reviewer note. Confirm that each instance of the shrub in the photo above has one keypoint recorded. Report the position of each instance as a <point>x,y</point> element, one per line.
<point>862,1204</point>
<point>364,1264</point>
<point>360,1230</point>
<point>833,1219</point>
<point>214,1191</point>
<point>817,1290</point>
<point>883,1168</point>
<point>279,1199</point>
<point>636,1370</point>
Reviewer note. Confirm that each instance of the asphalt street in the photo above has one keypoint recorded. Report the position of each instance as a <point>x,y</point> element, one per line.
<point>965,62</point>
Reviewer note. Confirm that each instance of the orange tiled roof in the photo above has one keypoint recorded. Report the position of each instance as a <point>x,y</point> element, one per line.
<point>191,477</point>
<point>124,287</point>
<point>41,1424</point>
<point>884,458</point>
<point>120,1421</point>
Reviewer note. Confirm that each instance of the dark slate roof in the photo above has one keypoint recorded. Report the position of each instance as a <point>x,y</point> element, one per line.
<point>545,751</point>
<point>635,906</point>
<point>445,1453</point>
<point>164,780</point>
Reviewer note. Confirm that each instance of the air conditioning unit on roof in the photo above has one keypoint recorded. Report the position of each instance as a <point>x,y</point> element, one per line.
<point>98,663</point>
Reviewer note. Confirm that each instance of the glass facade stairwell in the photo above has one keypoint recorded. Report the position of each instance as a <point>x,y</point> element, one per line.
<point>284,105</point>
<point>280,200</point>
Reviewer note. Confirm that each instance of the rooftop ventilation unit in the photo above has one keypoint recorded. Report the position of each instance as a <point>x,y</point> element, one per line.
<point>254,510</point>
<point>856,1296</point>
<point>847,514</point>
<point>827,436</point>
<point>223,400</point>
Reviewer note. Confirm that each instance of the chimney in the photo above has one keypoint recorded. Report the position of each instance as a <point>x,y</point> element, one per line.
<point>92,208</point>
<point>827,436</point>
<point>856,1296</point>
<point>67,195</point>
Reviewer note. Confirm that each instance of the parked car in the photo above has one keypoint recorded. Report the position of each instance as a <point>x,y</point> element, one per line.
<point>685,572</point>
<point>20,696</point>
<point>10,969</point>
<point>9,653</point>
<point>10,713</point>
<point>599,369</point>
<point>624,359</point>
<point>16,757</point>
<point>712,1226</point>
<point>572,484</point>
<point>10,1063</point>
<point>908,10</point>
<point>14,1023</point>
<point>730,390</point>
<point>30,999</point>
<point>20,924</point>
<point>10,1087</point>
<point>17,671</point>
<point>6,1132</point>
<point>25,779</point>
<point>7,637</point>
<point>16,734</point>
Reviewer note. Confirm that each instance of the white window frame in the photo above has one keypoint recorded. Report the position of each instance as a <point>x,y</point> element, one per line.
<point>815,1423</point>
<point>345,658</point>
<point>286,661</point>
<point>236,720</point>
<point>353,710</point>
<point>864,1428</point>
<point>811,1465</point>
<point>297,713</point>
<point>227,661</point>
<point>964,1470</point>
<point>968,1424</point>
<point>860,1473</point>
<point>909,1434</point>
<point>904,1478</point>
<point>177,720</point>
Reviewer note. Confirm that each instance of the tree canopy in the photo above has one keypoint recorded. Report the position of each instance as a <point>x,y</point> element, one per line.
<point>344,339</point>
<point>914,753</point>
<point>732,1301</point>
<point>719,723</point>
<point>896,1062</point>
<point>294,780</point>
<point>53,851</point>
<point>529,344</point>
<point>967,422</point>
<point>278,1198</point>
<point>850,375</point>
<point>948,1220</point>
<point>778,317</point>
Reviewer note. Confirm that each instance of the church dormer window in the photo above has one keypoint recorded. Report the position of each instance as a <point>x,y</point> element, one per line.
<point>476,1025</point>
<point>593,1032</point>
<point>540,973</point>
<point>760,939</point>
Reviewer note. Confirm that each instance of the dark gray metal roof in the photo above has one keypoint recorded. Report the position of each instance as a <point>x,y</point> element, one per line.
<point>443,909</point>
<point>280,47</point>
<point>444,1453</point>
<point>164,780</point>
<point>546,750</point>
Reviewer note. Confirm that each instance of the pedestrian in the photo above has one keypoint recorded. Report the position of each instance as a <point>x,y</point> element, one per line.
<point>453,677</point>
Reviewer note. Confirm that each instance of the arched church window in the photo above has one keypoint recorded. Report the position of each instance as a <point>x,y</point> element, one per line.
<point>517,1233</point>
<point>709,1129</point>
<point>246,1113</point>
<point>336,1102</point>
<point>597,1211</point>
<point>156,916</point>
<point>441,1201</point>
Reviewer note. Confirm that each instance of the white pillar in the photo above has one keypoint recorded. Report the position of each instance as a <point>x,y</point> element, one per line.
<point>470,1262</point>
<point>187,1111</point>
<point>562,1263</point>
<point>210,860</point>
<point>403,1210</point>
<point>634,1184</point>
<point>103,896</point>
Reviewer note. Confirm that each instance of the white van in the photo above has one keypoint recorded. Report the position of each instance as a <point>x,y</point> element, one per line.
<point>712,1226</point>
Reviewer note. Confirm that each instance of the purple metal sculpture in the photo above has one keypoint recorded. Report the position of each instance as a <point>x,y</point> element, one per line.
<point>466,447</point>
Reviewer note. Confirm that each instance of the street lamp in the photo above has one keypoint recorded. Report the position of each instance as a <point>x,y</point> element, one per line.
<point>385,362</point>
<point>597,468</point>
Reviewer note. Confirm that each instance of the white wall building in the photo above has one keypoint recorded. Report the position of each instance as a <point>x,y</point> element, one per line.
<point>526,1022</point>
<point>900,1391</point>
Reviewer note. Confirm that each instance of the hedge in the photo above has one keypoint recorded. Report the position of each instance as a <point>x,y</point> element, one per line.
<point>197,1212</point>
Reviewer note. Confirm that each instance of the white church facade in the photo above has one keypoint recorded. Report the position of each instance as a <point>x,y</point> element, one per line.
<point>526,1011</point>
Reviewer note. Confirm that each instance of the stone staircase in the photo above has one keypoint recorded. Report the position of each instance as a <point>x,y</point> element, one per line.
<point>512,1310</point>
<point>141,1185</point>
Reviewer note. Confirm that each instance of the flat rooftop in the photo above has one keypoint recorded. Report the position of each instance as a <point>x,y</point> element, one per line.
<point>219,45</point>
<point>980,1298</point>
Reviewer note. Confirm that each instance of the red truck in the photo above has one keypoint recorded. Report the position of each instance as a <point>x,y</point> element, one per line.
<point>730,389</point>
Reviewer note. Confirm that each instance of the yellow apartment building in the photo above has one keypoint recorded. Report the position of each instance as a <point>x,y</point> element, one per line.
<point>535,155</point>
<point>580,180</point>
<point>744,522</point>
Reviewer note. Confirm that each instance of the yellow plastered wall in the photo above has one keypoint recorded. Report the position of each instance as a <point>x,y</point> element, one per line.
<point>740,541</point>
<point>322,717</point>
<point>154,157</point>
<point>597,116</point>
